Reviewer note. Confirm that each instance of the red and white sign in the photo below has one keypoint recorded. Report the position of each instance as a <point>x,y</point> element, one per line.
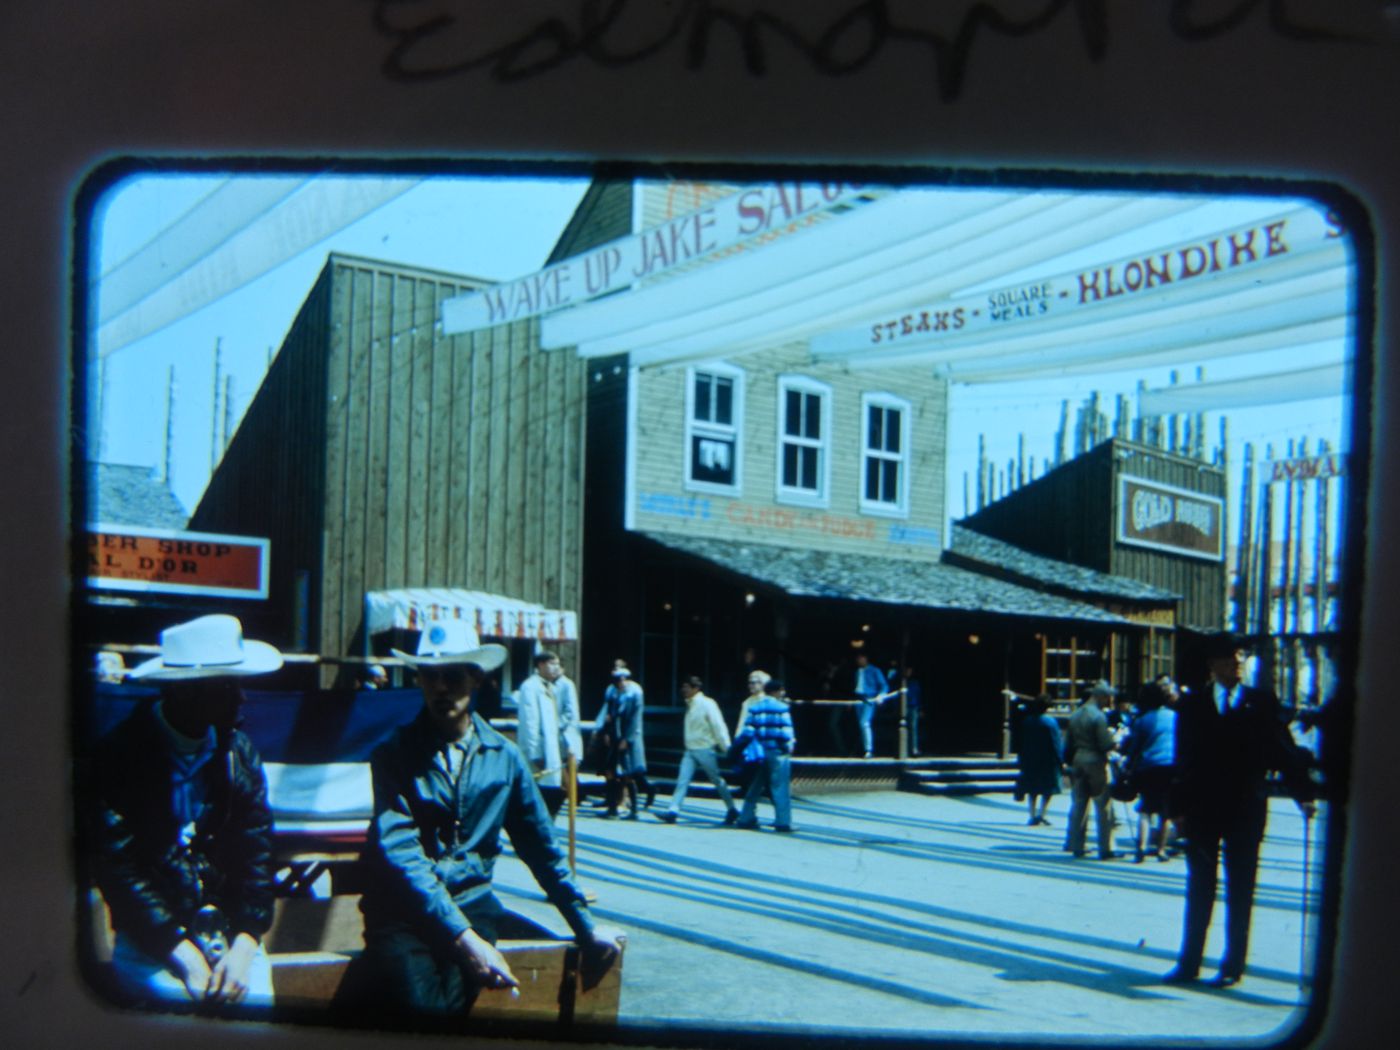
<point>163,561</point>
<point>1306,468</point>
<point>722,224</point>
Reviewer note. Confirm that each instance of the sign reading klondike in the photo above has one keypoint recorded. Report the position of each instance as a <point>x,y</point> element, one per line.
<point>1293,238</point>
<point>124,558</point>
<point>1166,518</point>
<point>617,264</point>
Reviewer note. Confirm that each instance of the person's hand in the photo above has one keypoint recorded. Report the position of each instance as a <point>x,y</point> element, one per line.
<point>1308,808</point>
<point>487,967</point>
<point>192,968</point>
<point>599,954</point>
<point>229,980</point>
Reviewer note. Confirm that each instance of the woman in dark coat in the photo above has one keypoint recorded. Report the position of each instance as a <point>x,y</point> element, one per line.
<point>1040,759</point>
<point>625,761</point>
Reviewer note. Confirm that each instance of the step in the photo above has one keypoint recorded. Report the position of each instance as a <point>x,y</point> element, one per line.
<point>961,777</point>
<point>959,789</point>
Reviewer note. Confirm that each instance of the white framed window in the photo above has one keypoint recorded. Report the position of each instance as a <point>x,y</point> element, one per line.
<point>714,413</point>
<point>804,440</point>
<point>884,479</point>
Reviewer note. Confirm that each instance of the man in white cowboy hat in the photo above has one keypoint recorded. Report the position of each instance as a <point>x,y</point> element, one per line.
<point>183,834</point>
<point>445,786</point>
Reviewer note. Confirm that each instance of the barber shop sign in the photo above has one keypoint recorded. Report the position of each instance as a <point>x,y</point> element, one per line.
<point>1166,518</point>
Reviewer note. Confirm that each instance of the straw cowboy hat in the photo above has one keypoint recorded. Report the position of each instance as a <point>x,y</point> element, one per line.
<point>445,642</point>
<point>209,647</point>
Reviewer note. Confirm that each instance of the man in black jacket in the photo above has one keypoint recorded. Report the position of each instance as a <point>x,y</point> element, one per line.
<point>183,835</point>
<point>1228,736</point>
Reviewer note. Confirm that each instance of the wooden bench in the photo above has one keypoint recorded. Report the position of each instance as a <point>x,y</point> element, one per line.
<point>312,941</point>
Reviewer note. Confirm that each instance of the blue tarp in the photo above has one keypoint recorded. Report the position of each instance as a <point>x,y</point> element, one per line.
<point>299,727</point>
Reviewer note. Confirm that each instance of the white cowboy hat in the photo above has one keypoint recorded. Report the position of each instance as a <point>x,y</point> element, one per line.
<point>445,642</point>
<point>209,647</point>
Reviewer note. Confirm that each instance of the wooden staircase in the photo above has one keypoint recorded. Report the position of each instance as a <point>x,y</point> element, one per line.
<point>972,775</point>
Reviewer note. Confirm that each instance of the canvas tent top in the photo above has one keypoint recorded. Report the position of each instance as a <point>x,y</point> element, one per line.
<point>493,615</point>
<point>995,285</point>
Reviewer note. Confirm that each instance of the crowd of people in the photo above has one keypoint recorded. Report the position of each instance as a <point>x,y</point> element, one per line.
<point>181,830</point>
<point>1198,764</point>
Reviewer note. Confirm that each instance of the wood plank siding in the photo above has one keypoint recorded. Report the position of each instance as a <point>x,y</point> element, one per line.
<point>381,454</point>
<point>1200,583</point>
<point>1070,514</point>
<point>270,481</point>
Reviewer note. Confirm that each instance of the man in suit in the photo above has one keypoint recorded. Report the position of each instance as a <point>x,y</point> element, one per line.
<point>1089,745</point>
<point>1228,736</point>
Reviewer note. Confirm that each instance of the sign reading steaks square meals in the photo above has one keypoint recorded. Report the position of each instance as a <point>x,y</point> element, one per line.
<point>1166,518</point>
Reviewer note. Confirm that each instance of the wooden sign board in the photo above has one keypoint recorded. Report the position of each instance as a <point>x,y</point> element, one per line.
<point>126,558</point>
<point>1167,518</point>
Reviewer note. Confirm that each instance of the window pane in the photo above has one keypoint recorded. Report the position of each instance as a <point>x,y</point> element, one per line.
<point>892,424</point>
<point>724,401</point>
<point>790,465</point>
<point>872,478</point>
<point>813,428</point>
<point>890,488</point>
<point>702,396</point>
<point>792,419</point>
<point>809,469</point>
<point>712,460</point>
<point>875,422</point>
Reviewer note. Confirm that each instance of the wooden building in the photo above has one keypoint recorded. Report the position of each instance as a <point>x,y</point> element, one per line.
<point>381,455</point>
<point>1134,512</point>
<point>709,551</point>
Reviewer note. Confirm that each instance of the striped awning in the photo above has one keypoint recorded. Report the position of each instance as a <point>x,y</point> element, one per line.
<point>493,615</point>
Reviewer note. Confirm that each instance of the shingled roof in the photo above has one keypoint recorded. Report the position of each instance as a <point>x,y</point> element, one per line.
<point>119,494</point>
<point>870,578</point>
<point>973,550</point>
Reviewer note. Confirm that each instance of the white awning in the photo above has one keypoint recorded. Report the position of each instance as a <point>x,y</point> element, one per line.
<point>999,285</point>
<point>1303,384</point>
<point>493,615</point>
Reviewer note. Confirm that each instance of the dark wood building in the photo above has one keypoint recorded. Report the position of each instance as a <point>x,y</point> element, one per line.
<point>380,454</point>
<point>1134,512</point>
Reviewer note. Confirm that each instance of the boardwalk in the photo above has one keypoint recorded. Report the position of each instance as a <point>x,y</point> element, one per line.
<point>916,916</point>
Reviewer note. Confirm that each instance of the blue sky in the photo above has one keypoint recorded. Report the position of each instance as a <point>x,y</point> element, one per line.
<point>481,227</point>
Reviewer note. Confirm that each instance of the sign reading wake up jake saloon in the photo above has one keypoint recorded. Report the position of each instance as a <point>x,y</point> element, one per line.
<point>1167,518</point>
<point>721,224</point>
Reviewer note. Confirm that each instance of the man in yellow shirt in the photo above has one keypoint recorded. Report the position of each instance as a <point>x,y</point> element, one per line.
<point>706,739</point>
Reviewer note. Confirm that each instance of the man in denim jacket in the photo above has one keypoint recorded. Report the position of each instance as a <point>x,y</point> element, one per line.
<point>445,786</point>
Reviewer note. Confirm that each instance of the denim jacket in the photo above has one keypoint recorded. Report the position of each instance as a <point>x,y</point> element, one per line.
<point>434,837</point>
